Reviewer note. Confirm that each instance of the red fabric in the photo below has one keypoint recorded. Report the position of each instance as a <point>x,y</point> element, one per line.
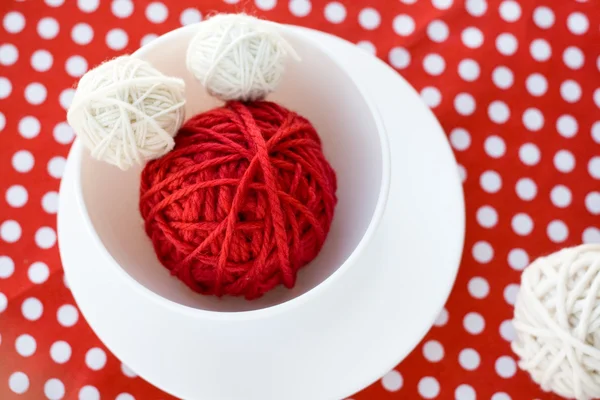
<point>243,201</point>
<point>527,146</point>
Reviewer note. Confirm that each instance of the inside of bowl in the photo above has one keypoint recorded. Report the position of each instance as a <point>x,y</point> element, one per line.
<point>318,89</point>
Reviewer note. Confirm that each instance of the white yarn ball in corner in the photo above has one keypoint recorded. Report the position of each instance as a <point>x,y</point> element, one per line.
<point>557,322</point>
<point>127,112</point>
<point>237,57</point>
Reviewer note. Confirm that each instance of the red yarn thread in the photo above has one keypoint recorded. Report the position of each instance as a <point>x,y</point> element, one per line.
<point>243,201</point>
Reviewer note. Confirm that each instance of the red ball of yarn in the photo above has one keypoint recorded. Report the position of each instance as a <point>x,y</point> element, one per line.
<point>242,202</point>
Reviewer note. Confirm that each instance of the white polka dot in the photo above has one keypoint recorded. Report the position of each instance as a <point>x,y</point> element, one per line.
<point>543,17</point>
<point>48,28</point>
<point>490,181</point>
<point>431,96</point>
<point>367,46</point>
<point>8,54</point>
<point>7,267</point>
<point>460,139</point>
<point>50,202</point>
<point>54,389</point>
<point>13,22</point>
<point>265,4</point>
<point>510,293</point>
<point>483,252</point>
<point>117,39</point>
<point>498,112</point>
<point>518,259</point>
<point>428,387</point>
<point>5,87</point>
<point>472,37</point>
<point>540,50</point>
<point>392,381</point>
<point>536,84</point>
<point>2,121</point>
<point>442,318</point>
<point>408,1</point>
<point>526,189</point>
<point>442,4</point>
<point>335,12</point>
<point>82,34</point>
<point>500,396</point>
<point>128,372</point>
<point>148,38</point>
<point>469,359</point>
<point>464,104</point>
<point>468,70</point>
<point>157,12</point>
<point>124,396</point>
<point>597,97</point>
<point>502,77</point>
<point>3,302</point>
<point>67,315</point>
<point>369,18</point>
<point>76,66</point>
<point>522,224</point>
<point>560,196</point>
<point>434,64</point>
<point>403,25</point>
<point>60,352</point>
<point>10,231</point>
<point>595,132</point>
<point>32,309</point>
<point>25,345</point>
<point>510,11</point>
<point>41,60</point>
<point>573,57</point>
<point>577,23</point>
<point>16,196</point>
<point>56,166</point>
<point>591,235</point>
<point>476,7</point>
<point>507,331</point>
<point>45,237</point>
<point>474,323</point>
<point>35,93</point>
<point>533,119</point>
<point>462,173</point>
<point>190,16</point>
<point>592,202</point>
<point>487,216</point>
<point>567,126</point>
<point>89,393</point>
<point>88,6</point>
<point>478,287</point>
<point>300,8</point>
<point>594,167</point>
<point>506,44</point>
<point>494,146</point>
<point>38,272</point>
<point>66,98</point>
<point>95,359</point>
<point>437,31</point>
<point>433,351</point>
<point>506,367</point>
<point>122,8</point>
<point>465,392</point>
<point>63,133</point>
<point>29,127</point>
<point>18,382</point>
<point>557,231</point>
<point>399,57</point>
<point>570,91</point>
<point>564,161</point>
<point>529,154</point>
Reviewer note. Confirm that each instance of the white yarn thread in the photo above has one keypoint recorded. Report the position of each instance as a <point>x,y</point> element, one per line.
<point>127,112</point>
<point>237,57</point>
<point>557,322</point>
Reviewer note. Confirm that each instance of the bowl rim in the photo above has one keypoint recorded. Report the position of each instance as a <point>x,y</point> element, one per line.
<point>272,310</point>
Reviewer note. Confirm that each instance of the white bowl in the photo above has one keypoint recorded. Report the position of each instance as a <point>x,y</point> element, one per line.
<point>357,310</point>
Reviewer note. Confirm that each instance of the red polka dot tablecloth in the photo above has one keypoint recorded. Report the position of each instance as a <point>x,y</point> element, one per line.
<point>515,84</point>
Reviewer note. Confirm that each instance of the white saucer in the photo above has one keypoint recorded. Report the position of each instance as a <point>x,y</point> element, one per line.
<point>330,348</point>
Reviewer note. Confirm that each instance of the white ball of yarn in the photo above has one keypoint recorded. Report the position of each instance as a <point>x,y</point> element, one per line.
<point>237,57</point>
<point>557,322</point>
<point>127,112</point>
